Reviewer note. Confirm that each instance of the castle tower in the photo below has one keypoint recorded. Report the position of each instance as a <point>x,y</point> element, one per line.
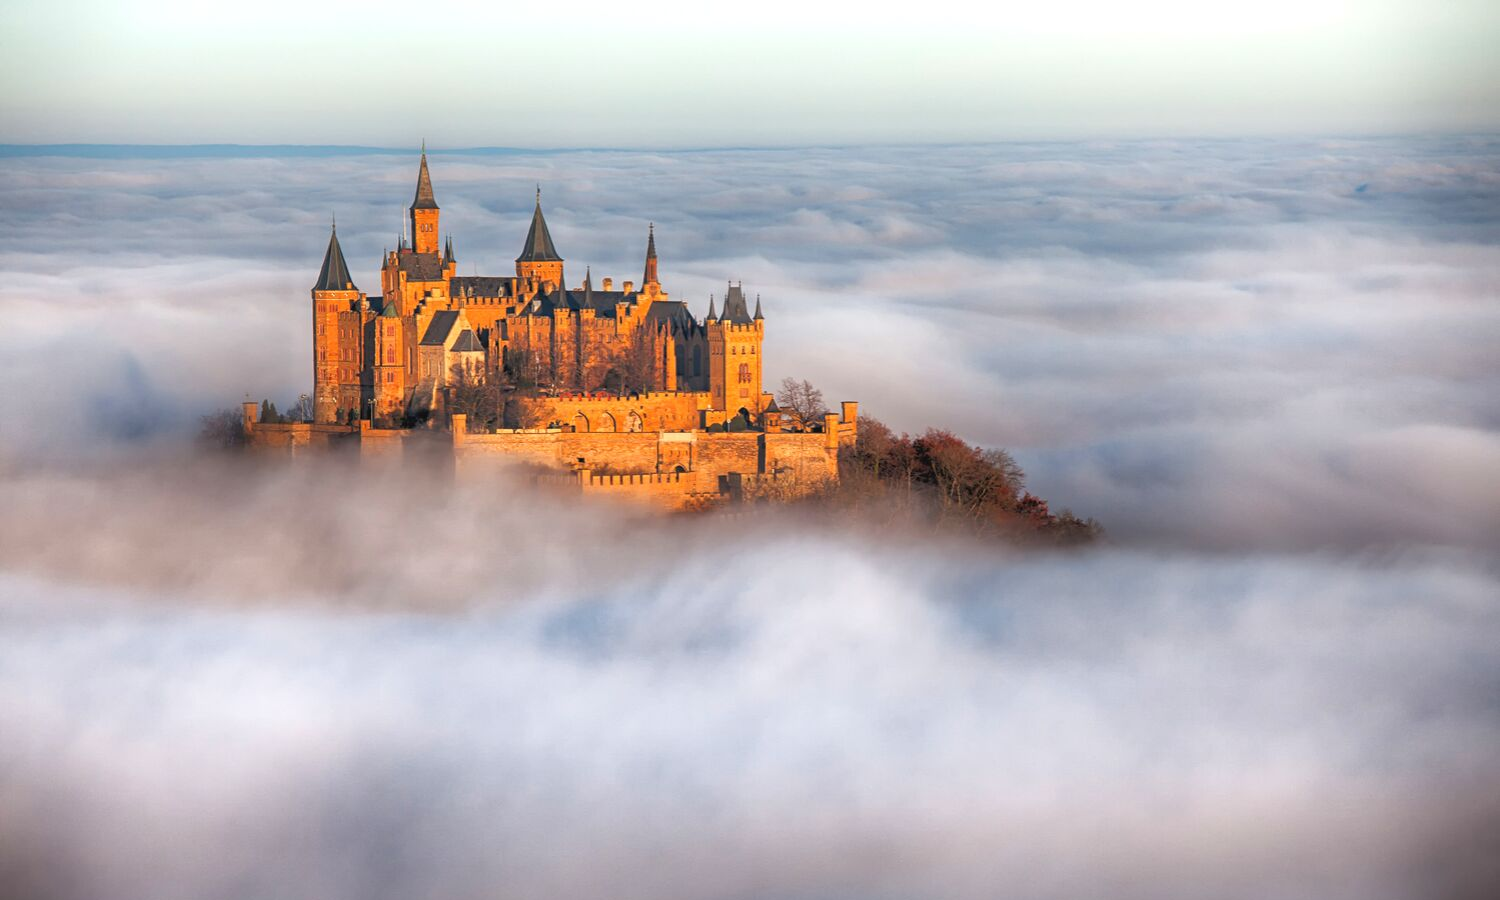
<point>333,299</point>
<point>539,260</point>
<point>734,354</point>
<point>424,212</point>
<point>390,363</point>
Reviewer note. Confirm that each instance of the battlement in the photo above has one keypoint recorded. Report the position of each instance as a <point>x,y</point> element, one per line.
<point>599,399</point>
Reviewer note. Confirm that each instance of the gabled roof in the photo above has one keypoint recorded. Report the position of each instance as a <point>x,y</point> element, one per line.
<point>335,273</point>
<point>442,323</point>
<point>538,246</point>
<point>424,199</point>
<point>734,307</point>
<point>467,342</point>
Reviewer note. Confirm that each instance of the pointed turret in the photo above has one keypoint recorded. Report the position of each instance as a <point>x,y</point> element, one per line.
<point>424,211</point>
<point>539,261</point>
<point>588,287</point>
<point>335,273</point>
<point>711,317</point>
<point>448,257</point>
<point>650,276</point>
<point>734,306</point>
<point>538,246</point>
<point>424,198</point>
<point>758,316</point>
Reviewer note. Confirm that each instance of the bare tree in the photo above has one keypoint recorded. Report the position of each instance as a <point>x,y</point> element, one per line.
<point>476,393</point>
<point>222,430</point>
<point>631,366</point>
<point>801,404</point>
<point>302,410</point>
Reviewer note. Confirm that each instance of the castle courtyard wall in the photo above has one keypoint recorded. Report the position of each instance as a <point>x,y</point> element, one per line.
<point>658,411</point>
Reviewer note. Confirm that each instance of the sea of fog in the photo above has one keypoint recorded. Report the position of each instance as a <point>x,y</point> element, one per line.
<point>1268,367</point>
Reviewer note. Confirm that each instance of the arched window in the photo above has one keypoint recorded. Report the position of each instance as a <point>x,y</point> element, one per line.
<point>633,422</point>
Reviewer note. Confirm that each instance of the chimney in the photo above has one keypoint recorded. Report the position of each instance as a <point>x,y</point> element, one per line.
<point>628,286</point>
<point>609,284</point>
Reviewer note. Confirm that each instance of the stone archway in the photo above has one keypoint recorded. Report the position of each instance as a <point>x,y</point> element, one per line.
<point>606,422</point>
<point>633,422</point>
<point>580,422</point>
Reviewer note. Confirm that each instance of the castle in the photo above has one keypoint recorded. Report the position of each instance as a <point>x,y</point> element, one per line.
<point>624,390</point>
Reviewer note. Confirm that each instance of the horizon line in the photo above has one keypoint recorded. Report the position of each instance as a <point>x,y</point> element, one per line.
<point>225,149</point>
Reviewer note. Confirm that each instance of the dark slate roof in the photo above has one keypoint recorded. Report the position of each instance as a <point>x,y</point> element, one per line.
<point>466,343</point>
<point>772,407</point>
<point>448,250</point>
<point>674,312</point>
<point>538,247</point>
<point>481,285</point>
<point>757,307</point>
<point>335,273</point>
<point>442,323</point>
<point>389,310</point>
<point>604,302</point>
<point>734,307</point>
<point>421,266</point>
<point>424,199</point>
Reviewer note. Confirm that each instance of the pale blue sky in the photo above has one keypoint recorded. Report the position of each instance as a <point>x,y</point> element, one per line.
<point>674,73</point>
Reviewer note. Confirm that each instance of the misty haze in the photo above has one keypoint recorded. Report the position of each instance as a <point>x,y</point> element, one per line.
<point>1267,367</point>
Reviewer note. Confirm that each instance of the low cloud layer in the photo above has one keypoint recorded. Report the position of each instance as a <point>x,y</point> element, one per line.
<point>298,704</point>
<point>1265,365</point>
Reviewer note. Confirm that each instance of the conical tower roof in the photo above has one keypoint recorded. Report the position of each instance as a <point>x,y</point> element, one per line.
<point>538,246</point>
<point>650,276</point>
<point>334,275</point>
<point>424,199</point>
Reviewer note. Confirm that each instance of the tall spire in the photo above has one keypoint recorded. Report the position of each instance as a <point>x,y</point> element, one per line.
<point>335,273</point>
<point>757,307</point>
<point>650,276</point>
<point>448,250</point>
<point>424,199</point>
<point>711,316</point>
<point>538,246</point>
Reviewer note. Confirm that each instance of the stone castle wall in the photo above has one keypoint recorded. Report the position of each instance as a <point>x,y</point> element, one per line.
<point>666,469</point>
<point>654,411</point>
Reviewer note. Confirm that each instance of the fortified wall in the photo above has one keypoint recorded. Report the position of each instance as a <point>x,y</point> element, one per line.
<point>671,469</point>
